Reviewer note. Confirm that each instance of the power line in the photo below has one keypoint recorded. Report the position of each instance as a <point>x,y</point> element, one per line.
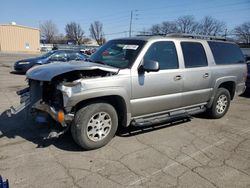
<point>116,33</point>
<point>174,17</point>
<point>187,4</point>
<point>197,10</point>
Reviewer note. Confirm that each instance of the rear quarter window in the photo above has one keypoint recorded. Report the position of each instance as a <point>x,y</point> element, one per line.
<point>226,53</point>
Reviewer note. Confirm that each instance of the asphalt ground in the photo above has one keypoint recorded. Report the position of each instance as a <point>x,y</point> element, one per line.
<point>196,152</point>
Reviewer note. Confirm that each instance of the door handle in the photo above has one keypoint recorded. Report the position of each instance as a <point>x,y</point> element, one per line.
<point>178,77</point>
<point>205,75</point>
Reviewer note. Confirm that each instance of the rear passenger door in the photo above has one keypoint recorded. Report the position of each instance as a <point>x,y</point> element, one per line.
<point>197,74</point>
<point>154,92</point>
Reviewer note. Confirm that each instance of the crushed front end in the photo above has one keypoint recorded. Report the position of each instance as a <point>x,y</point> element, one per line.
<point>46,99</point>
<point>44,103</point>
<point>50,88</point>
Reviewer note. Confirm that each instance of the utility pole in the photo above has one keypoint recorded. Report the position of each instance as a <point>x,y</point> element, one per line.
<point>130,25</point>
<point>132,16</point>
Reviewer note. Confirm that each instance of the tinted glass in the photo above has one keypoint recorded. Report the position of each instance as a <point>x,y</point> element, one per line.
<point>58,55</point>
<point>164,53</point>
<point>48,54</point>
<point>75,56</point>
<point>118,53</point>
<point>194,54</point>
<point>226,53</point>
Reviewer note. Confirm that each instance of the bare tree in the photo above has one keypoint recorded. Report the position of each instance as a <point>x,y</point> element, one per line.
<point>211,26</point>
<point>155,29</point>
<point>186,24</point>
<point>74,32</point>
<point>144,31</point>
<point>60,39</point>
<point>48,31</point>
<point>168,27</point>
<point>96,32</point>
<point>243,32</point>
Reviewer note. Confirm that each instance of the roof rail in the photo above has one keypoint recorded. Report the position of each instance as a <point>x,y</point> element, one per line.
<point>194,36</point>
<point>151,35</point>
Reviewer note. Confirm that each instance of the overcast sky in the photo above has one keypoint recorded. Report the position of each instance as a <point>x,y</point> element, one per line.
<point>115,14</point>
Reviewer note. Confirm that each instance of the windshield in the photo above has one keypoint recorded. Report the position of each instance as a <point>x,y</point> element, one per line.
<point>48,54</point>
<point>118,53</point>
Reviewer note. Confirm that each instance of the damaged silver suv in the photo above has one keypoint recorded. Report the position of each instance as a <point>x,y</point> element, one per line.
<point>138,82</point>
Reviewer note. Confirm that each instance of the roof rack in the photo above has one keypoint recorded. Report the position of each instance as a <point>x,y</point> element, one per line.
<point>151,35</point>
<point>194,36</point>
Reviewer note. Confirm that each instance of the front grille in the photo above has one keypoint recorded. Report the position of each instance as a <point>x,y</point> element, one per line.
<point>35,91</point>
<point>47,92</point>
<point>52,96</point>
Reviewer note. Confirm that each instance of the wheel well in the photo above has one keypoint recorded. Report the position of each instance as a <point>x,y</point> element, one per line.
<point>230,86</point>
<point>116,101</point>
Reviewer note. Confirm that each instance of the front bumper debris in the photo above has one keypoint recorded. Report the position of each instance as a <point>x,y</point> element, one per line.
<point>42,106</point>
<point>24,102</point>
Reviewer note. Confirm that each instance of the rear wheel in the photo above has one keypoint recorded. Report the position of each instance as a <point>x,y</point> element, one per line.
<point>94,125</point>
<point>220,104</point>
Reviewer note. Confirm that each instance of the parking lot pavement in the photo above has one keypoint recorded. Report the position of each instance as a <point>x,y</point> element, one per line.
<point>191,153</point>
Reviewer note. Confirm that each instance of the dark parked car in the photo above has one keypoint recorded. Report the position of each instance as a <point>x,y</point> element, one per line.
<point>22,66</point>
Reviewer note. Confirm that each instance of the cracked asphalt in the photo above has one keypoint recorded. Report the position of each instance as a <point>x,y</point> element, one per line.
<point>196,152</point>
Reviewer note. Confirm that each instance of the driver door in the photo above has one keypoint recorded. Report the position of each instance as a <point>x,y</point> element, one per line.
<point>154,92</point>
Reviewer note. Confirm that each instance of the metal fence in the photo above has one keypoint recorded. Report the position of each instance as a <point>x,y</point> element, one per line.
<point>48,47</point>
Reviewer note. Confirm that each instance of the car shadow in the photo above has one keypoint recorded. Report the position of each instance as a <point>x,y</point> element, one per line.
<point>137,130</point>
<point>22,125</point>
<point>17,73</point>
<point>246,94</point>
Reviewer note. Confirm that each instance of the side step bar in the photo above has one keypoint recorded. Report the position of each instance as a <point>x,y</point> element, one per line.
<point>168,117</point>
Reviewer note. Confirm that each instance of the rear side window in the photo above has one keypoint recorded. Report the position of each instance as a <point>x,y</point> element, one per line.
<point>226,53</point>
<point>164,53</point>
<point>194,54</point>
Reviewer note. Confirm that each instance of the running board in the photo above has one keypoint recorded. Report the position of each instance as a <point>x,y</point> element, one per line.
<point>168,117</point>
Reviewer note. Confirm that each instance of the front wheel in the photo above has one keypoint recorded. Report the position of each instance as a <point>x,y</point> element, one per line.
<point>94,125</point>
<point>220,104</point>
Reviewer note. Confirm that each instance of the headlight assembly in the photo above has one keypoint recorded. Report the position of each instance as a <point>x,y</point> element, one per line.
<point>23,63</point>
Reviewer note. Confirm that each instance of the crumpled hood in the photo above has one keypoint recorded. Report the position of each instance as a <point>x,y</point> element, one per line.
<point>49,71</point>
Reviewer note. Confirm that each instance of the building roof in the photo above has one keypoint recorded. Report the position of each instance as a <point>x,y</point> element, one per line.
<point>13,25</point>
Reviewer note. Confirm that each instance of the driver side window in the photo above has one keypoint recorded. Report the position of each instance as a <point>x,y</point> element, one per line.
<point>60,56</point>
<point>164,52</point>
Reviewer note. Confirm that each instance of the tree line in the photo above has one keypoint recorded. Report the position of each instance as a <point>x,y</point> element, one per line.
<point>207,26</point>
<point>184,24</point>
<point>73,32</point>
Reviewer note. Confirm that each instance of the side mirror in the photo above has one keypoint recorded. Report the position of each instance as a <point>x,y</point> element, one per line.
<point>150,66</point>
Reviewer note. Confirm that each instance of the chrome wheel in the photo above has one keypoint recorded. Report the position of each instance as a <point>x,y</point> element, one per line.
<point>221,105</point>
<point>99,126</point>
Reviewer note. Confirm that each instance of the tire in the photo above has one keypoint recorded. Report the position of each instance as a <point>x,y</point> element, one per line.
<point>220,104</point>
<point>94,125</point>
